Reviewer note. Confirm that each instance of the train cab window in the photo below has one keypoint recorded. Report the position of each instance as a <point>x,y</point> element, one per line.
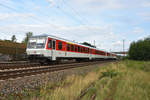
<point>75,48</point>
<point>72,47</point>
<point>59,45</point>
<point>50,44</point>
<point>68,47</point>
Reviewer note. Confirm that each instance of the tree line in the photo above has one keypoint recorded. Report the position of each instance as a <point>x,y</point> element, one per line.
<point>140,50</point>
<point>25,40</point>
<point>14,49</point>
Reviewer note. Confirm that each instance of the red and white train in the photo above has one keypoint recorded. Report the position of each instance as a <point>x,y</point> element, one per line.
<point>51,48</point>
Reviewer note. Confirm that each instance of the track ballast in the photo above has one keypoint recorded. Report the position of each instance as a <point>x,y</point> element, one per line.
<point>28,71</point>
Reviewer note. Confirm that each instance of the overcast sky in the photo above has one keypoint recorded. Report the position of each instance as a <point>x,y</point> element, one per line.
<point>107,22</point>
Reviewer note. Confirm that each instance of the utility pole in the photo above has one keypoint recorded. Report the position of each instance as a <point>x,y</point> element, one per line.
<point>110,52</point>
<point>123,47</point>
<point>94,42</point>
<point>16,50</point>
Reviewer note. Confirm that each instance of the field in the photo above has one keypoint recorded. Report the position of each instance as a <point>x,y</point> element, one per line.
<point>126,80</point>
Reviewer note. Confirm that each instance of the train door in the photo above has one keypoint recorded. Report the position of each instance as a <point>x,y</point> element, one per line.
<point>53,49</point>
<point>90,53</point>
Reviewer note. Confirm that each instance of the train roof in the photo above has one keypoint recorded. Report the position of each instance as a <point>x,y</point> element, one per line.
<point>72,42</point>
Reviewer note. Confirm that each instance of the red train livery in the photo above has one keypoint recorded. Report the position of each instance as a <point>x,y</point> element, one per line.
<point>52,48</point>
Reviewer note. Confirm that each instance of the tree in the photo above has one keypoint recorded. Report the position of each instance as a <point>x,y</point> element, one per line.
<point>88,44</point>
<point>26,39</point>
<point>140,50</point>
<point>13,38</point>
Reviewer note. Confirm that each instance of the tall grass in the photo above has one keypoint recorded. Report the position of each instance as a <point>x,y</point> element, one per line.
<point>127,80</point>
<point>71,91</point>
<point>131,83</point>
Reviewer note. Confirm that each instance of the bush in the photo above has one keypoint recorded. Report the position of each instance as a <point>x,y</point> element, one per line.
<point>109,73</point>
<point>140,50</point>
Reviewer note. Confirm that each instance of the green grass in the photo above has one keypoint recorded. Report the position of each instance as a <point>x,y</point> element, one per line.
<point>126,80</point>
<point>130,82</point>
<point>142,65</point>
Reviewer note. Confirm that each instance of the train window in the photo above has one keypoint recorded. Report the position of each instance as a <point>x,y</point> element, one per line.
<point>72,47</point>
<point>81,49</point>
<point>88,50</point>
<point>68,47</point>
<point>59,45</point>
<point>94,52</point>
<point>78,49</point>
<point>50,44</point>
<point>84,50</point>
<point>75,48</point>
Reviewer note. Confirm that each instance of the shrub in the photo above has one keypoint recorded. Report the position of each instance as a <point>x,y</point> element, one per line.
<point>109,73</point>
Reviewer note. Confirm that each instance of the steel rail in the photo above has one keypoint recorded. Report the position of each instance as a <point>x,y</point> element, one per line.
<point>4,66</point>
<point>12,65</point>
<point>4,75</point>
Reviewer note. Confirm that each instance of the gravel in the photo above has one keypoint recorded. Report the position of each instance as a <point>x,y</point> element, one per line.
<point>18,85</point>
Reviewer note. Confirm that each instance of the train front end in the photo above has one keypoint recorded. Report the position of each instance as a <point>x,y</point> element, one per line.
<point>36,49</point>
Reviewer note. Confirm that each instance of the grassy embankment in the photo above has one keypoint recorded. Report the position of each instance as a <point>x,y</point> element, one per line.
<point>9,48</point>
<point>127,80</point>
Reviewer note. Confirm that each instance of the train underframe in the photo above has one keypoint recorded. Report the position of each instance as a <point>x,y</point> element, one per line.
<point>47,60</point>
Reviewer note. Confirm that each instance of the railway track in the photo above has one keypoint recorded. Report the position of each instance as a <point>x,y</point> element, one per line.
<point>28,71</point>
<point>16,65</point>
<point>25,64</point>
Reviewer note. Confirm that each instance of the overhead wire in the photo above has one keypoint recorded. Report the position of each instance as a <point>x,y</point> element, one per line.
<point>58,7</point>
<point>67,14</point>
<point>15,10</point>
<point>63,12</point>
<point>39,11</point>
<point>83,18</point>
<point>76,13</point>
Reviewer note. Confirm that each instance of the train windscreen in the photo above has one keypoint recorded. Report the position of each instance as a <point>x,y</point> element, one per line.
<point>36,43</point>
